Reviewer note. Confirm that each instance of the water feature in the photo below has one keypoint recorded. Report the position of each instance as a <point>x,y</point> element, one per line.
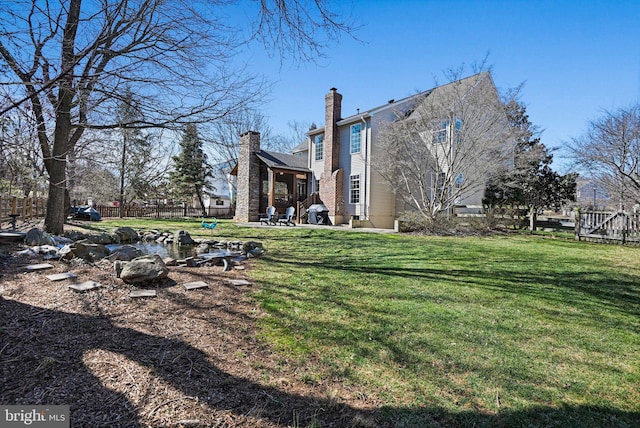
<point>176,251</point>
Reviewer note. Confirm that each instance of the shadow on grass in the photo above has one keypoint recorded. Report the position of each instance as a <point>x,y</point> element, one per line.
<point>613,290</point>
<point>31,336</point>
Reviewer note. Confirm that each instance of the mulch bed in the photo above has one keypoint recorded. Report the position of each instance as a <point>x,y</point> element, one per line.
<point>183,358</point>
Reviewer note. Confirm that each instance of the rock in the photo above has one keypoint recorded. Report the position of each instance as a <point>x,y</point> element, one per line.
<point>202,248</point>
<point>75,235</point>
<point>125,252</point>
<point>188,262</point>
<point>256,252</point>
<point>150,236</point>
<point>182,237</point>
<point>36,236</point>
<point>62,240</point>
<point>250,246</point>
<point>118,265</point>
<point>144,269</point>
<point>84,249</point>
<point>126,235</point>
<point>169,261</point>
<point>102,238</point>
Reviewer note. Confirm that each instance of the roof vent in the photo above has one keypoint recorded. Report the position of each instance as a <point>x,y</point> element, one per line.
<point>391,101</point>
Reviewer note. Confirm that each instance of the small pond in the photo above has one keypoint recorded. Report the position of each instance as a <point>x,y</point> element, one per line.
<point>177,252</point>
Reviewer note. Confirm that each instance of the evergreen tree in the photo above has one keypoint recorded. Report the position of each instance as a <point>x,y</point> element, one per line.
<point>531,183</point>
<point>192,168</point>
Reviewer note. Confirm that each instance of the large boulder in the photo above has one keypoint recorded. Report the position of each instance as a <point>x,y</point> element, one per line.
<point>125,252</point>
<point>182,237</point>
<point>126,235</point>
<point>84,249</point>
<point>36,236</point>
<point>144,269</point>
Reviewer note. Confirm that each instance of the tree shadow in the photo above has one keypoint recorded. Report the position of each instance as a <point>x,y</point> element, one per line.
<point>43,361</point>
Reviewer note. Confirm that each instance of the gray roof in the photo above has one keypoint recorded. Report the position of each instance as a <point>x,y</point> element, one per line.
<point>283,161</point>
<point>464,85</point>
<point>304,146</point>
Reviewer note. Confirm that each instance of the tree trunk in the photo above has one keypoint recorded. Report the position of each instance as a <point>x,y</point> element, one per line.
<point>202,207</point>
<point>532,218</point>
<point>56,215</point>
<point>123,161</point>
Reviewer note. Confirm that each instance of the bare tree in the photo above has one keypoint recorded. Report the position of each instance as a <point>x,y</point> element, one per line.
<point>21,168</point>
<point>610,153</point>
<point>71,59</point>
<point>223,136</point>
<point>443,147</point>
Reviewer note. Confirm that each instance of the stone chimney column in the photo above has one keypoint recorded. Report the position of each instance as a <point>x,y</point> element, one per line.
<point>248,178</point>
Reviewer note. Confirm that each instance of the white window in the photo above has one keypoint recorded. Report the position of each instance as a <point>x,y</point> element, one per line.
<point>458,138</point>
<point>319,147</point>
<point>356,138</point>
<point>440,134</point>
<point>354,189</point>
<point>459,181</point>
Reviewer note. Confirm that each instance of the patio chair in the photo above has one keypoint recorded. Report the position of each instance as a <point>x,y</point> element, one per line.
<point>289,216</point>
<point>271,217</point>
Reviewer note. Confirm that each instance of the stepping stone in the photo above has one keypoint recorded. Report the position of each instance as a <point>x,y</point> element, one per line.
<point>85,286</point>
<point>238,282</point>
<point>61,276</point>
<point>143,293</point>
<point>40,266</point>
<point>195,285</point>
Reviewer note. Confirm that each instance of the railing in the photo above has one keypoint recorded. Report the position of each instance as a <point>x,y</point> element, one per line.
<point>14,208</point>
<point>164,212</point>
<point>609,226</point>
<point>302,207</point>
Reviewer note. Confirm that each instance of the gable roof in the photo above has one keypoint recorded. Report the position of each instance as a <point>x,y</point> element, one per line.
<point>283,161</point>
<point>463,85</point>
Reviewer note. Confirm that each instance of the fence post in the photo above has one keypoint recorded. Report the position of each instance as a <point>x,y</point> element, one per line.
<point>577,224</point>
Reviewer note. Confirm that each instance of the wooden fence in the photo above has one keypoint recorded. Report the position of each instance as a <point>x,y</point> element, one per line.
<point>164,212</point>
<point>617,226</point>
<point>15,208</point>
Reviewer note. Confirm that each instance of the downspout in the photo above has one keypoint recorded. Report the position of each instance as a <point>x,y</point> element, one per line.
<point>365,200</point>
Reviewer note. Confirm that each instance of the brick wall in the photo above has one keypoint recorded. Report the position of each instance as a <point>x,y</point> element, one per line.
<point>331,191</point>
<point>248,178</point>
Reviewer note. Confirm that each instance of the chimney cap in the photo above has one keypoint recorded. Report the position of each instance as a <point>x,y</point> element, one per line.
<point>333,89</point>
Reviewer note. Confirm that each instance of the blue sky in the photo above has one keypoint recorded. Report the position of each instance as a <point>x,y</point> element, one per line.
<point>576,59</point>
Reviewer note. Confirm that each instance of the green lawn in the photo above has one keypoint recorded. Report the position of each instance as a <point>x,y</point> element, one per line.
<point>513,330</point>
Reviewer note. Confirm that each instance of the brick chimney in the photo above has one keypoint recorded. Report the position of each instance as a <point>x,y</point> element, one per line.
<point>248,178</point>
<point>332,113</point>
<point>331,180</point>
